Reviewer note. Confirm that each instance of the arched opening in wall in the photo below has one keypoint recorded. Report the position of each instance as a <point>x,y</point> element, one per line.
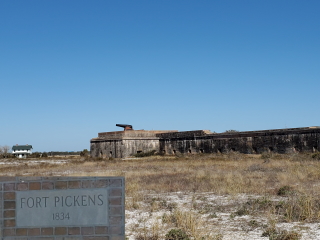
<point>296,149</point>
<point>254,150</point>
<point>110,154</point>
<point>100,154</point>
<point>201,150</point>
<point>174,152</point>
<point>219,150</point>
<point>270,149</point>
<point>233,149</point>
<point>315,149</point>
<point>189,151</point>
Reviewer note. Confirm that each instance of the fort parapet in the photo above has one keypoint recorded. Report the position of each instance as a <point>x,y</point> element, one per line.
<point>123,144</point>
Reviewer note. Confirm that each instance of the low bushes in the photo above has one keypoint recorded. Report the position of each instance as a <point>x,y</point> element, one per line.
<point>277,234</point>
<point>316,156</point>
<point>177,234</point>
<point>145,154</point>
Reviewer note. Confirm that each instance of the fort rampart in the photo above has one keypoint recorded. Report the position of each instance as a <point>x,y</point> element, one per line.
<point>123,144</point>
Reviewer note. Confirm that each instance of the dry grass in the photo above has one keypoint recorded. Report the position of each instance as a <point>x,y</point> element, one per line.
<point>221,174</point>
<point>191,223</point>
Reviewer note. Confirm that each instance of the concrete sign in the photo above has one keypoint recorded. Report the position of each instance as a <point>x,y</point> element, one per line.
<point>64,207</point>
<point>47,208</point>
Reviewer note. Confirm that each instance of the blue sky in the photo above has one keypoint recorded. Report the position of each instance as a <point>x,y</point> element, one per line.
<point>71,69</point>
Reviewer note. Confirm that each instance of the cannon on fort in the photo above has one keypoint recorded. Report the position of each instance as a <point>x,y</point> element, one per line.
<point>125,126</point>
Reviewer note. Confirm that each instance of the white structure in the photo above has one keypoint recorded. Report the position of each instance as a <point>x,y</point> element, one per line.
<point>21,151</point>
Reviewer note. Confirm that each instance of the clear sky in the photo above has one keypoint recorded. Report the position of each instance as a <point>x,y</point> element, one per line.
<point>71,69</point>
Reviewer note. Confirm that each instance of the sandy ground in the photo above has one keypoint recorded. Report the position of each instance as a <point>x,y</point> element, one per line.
<point>246,227</point>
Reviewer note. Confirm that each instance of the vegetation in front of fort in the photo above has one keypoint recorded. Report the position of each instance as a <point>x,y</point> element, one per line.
<point>283,189</point>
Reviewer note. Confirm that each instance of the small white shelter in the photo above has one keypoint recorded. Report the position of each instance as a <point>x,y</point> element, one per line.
<point>21,151</point>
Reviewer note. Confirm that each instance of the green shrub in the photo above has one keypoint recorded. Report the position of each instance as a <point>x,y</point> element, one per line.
<point>177,234</point>
<point>253,224</point>
<point>242,211</point>
<point>145,154</point>
<point>276,234</point>
<point>84,153</point>
<point>285,191</point>
<point>7,155</point>
<point>34,155</point>
<point>316,156</point>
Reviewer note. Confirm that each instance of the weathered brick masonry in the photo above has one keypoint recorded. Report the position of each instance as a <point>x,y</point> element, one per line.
<point>280,141</point>
<point>123,144</point>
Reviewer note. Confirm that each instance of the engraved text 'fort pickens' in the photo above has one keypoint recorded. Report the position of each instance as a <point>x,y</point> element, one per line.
<point>73,207</point>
